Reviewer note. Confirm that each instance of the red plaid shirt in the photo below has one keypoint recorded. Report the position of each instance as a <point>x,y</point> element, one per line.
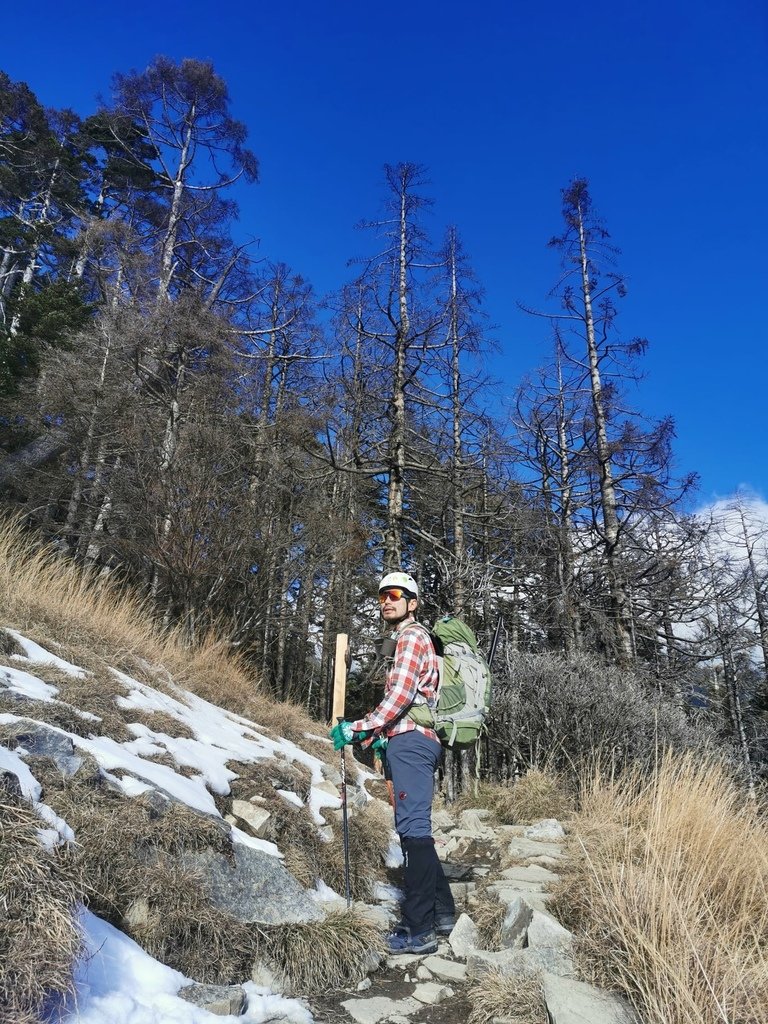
<point>413,675</point>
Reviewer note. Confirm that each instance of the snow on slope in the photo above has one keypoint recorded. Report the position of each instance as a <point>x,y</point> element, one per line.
<point>116,981</point>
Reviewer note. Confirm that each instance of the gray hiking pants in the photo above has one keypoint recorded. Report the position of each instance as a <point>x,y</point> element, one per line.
<point>412,760</point>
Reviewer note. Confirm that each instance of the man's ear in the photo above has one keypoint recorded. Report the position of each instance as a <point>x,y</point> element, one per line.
<point>412,604</point>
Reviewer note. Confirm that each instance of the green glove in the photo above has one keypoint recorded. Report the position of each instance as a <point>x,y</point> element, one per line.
<point>341,734</point>
<point>379,745</point>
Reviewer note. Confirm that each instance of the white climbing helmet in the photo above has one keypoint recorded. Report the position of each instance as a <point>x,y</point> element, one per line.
<point>403,580</point>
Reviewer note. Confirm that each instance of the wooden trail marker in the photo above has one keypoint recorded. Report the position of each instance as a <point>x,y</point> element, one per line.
<point>340,664</point>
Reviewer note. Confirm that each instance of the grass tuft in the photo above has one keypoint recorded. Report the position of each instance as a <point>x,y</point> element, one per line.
<point>39,937</point>
<point>540,793</point>
<point>335,952</point>
<point>519,1000</point>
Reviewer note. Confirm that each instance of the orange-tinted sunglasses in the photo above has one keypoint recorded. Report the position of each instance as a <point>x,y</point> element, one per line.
<point>393,594</point>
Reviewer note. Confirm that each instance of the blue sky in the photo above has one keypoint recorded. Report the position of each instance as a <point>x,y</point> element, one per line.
<point>662,106</point>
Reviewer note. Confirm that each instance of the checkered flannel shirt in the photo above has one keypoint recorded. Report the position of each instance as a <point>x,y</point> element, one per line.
<point>413,676</point>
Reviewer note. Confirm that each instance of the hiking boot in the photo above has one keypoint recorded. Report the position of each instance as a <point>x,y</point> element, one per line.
<point>444,924</point>
<point>402,941</point>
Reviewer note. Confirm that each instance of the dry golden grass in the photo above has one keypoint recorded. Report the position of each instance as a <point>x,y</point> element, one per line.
<point>519,1000</point>
<point>669,886</point>
<point>124,858</point>
<point>488,913</point>
<point>39,937</point>
<point>91,620</point>
<point>182,928</point>
<point>328,954</point>
<point>540,793</point>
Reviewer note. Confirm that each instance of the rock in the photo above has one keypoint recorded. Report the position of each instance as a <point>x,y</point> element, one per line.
<point>330,774</point>
<point>535,900</point>
<point>474,817</point>
<point>544,930</point>
<point>548,830</point>
<point>328,787</point>
<point>484,961</point>
<point>381,917</point>
<point>476,830</point>
<point>574,1002</point>
<point>222,1000</point>
<point>529,873</point>
<point>508,885</point>
<point>10,785</point>
<point>546,861</point>
<point>458,872</point>
<point>364,985</point>
<point>520,962</point>
<point>423,973</point>
<point>442,820</point>
<point>515,924</point>
<point>371,1011</point>
<point>38,740</point>
<point>403,960</point>
<point>448,970</point>
<point>256,888</point>
<point>523,849</point>
<point>357,797</point>
<point>464,938</point>
<point>461,890</point>
<point>257,818</point>
<point>432,993</point>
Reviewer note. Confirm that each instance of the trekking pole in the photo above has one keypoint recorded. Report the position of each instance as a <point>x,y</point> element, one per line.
<point>345,823</point>
<point>341,663</point>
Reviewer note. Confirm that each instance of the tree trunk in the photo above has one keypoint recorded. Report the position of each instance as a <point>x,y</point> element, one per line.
<point>618,594</point>
<point>396,450</point>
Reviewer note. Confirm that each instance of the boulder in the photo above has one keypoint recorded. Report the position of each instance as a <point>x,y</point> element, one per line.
<point>574,1002</point>
<point>520,962</point>
<point>447,970</point>
<point>222,1000</point>
<point>442,820</point>
<point>38,740</point>
<point>465,937</point>
<point>529,873</point>
<point>548,830</point>
<point>371,1011</point>
<point>544,930</point>
<point>474,820</point>
<point>514,927</point>
<point>521,848</point>
<point>328,787</point>
<point>382,917</point>
<point>330,774</point>
<point>257,818</point>
<point>432,993</point>
<point>253,886</point>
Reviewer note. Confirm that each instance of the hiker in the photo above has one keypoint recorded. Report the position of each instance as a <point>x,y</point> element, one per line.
<point>413,754</point>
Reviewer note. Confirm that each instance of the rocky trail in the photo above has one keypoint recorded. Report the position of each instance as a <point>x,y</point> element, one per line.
<point>435,988</point>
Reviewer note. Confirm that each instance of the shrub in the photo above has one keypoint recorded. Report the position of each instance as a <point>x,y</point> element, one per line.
<point>559,712</point>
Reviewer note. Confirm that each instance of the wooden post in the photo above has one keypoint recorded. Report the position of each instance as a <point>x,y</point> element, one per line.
<point>340,677</point>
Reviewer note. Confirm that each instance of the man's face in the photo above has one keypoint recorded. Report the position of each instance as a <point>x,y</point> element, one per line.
<point>395,604</point>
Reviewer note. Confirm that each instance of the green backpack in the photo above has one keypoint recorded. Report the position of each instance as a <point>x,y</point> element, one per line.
<point>464,690</point>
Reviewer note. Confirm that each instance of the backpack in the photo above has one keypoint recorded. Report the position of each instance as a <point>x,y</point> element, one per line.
<point>464,689</point>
